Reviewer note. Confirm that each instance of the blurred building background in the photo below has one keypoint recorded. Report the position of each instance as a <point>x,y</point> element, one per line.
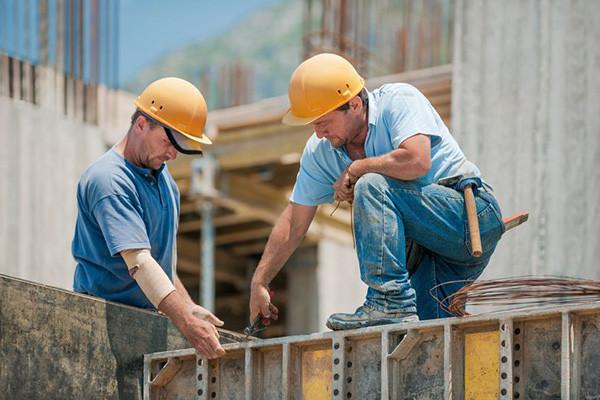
<point>516,81</point>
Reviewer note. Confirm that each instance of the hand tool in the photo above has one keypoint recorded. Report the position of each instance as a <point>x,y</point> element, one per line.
<point>466,184</point>
<point>473,222</point>
<point>259,323</point>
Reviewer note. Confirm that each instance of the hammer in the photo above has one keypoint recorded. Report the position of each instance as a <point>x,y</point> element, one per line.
<point>455,182</point>
<point>473,222</point>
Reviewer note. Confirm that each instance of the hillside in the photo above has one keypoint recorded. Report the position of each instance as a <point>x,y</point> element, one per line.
<point>269,41</point>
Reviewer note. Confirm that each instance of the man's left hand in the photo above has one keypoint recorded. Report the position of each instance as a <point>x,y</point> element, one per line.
<point>205,315</point>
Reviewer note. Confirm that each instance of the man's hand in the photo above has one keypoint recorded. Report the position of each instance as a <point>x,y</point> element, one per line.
<point>260,301</point>
<point>205,315</point>
<point>204,337</point>
<point>195,323</point>
<point>344,187</point>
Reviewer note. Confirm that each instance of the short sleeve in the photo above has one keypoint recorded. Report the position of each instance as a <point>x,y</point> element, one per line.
<point>408,113</point>
<point>121,224</point>
<point>312,188</point>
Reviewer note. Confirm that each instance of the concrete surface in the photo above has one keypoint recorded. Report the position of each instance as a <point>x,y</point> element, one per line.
<point>55,344</point>
<point>42,155</point>
<point>526,110</point>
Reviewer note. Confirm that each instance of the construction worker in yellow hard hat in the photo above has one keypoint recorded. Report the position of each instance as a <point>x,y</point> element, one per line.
<point>388,153</point>
<point>128,213</point>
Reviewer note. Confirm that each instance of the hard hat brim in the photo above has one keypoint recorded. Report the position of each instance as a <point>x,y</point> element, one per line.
<point>293,120</point>
<point>182,144</point>
<point>202,139</point>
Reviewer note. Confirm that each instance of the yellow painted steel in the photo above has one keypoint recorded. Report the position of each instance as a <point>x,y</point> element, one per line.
<point>482,365</point>
<point>316,374</point>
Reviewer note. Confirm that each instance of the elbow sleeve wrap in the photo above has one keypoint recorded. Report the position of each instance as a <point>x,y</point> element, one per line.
<point>154,282</point>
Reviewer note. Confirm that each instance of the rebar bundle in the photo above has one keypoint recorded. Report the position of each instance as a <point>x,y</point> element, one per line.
<point>519,293</point>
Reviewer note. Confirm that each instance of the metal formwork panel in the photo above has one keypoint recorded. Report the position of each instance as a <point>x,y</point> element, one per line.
<point>415,365</point>
<point>586,358</point>
<point>550,354</point>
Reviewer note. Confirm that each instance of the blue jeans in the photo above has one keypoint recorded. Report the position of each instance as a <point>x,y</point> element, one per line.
<point>387,211</point>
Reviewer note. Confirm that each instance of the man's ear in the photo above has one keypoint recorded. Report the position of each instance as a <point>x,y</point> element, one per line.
<point>139,124</point>
<point>356,104</point>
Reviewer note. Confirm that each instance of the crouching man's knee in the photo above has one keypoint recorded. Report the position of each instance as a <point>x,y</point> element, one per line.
<point>370,183</point>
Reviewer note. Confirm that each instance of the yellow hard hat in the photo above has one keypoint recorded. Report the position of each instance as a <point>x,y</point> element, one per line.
<point>180,107</point>
<point>320,85</point>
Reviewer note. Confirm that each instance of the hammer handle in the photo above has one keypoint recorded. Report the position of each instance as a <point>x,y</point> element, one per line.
<point>473,222</point>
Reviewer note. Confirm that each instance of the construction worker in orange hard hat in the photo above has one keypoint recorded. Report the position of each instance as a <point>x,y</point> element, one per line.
<point>128,213</point>
<point>390,155</point>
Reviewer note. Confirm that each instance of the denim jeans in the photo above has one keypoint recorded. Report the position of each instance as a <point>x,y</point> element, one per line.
<point>387,211</point>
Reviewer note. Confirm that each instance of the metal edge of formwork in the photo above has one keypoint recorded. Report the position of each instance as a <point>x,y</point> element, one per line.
<point>406,337</point>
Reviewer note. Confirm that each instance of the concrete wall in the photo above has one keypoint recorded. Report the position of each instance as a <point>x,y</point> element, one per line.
<point>61,345</point>
<point>526,110</point>
<point>42,155</point>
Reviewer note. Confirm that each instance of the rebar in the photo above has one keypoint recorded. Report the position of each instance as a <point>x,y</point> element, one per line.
<point>518,293</point>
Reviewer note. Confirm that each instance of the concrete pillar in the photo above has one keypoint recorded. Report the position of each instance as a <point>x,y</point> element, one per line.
<point>526,91</point>
<point>303,293</point>
<point>340,288</point>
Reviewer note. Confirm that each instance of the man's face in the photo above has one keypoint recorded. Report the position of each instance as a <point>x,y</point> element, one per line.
<point>339,127</point>
<point>155,147</point>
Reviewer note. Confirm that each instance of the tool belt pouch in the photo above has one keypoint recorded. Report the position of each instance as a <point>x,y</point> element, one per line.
<point>414,255</point>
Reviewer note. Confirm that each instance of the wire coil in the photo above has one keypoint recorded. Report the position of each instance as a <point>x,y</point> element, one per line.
<point>519,293</point>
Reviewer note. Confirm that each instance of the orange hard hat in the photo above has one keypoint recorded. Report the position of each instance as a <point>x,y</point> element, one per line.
<point>320,85</point>
<point>180,107</point>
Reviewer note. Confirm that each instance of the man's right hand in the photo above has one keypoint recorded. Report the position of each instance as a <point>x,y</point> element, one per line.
<point>260,301</point>
<point>204,337</point>
<point>200,333</point>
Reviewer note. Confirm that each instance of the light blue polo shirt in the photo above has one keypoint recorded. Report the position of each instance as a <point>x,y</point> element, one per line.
<point>397,111</point>
<point>120,207</point>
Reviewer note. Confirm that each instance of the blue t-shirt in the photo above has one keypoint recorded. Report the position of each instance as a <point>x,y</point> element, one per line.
<point>120,207</point>
<point>396,112</point>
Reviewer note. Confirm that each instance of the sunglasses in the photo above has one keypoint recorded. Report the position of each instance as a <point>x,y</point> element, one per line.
<point>181,143</point>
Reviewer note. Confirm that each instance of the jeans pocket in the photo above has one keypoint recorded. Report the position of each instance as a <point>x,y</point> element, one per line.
<point>491,229</point>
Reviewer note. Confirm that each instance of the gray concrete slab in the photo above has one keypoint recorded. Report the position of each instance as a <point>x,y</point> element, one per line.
<point>56,344</point>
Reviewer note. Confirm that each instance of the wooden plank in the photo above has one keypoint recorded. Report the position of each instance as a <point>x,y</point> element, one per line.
<point>218,222</point>
<point>267,203</point>
<point>249,249</point>
<point>190,247</point>
<point>221,274</point>
<point>243,236</point>
<point>272,110</point>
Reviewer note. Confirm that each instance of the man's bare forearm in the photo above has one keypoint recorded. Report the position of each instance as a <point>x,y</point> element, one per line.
<point>405,163</point>
<point>287,234</point>
<point>182,290</point>
<point>174,307</point>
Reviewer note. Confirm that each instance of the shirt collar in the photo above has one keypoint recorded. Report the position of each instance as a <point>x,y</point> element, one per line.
<point>373,110</point>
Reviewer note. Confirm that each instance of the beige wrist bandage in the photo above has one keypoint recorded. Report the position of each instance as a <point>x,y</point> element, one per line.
<point>154,282</point>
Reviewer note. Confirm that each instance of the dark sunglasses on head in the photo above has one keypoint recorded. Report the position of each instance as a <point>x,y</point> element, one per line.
<point>178,141</point>
<point>176,144</point>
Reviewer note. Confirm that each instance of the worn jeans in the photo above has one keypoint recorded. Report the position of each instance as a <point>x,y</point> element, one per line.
<point>387,211</point>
